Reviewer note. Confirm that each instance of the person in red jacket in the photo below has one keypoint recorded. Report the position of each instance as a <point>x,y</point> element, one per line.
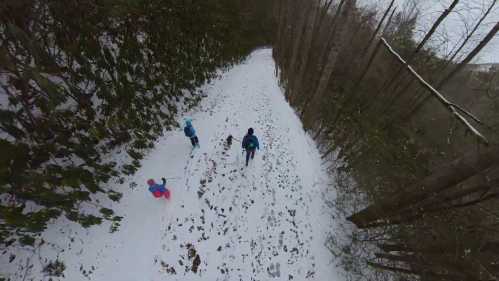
<point>158,190</point>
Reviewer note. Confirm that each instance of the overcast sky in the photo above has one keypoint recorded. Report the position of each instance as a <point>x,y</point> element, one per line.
<point>463,17</point>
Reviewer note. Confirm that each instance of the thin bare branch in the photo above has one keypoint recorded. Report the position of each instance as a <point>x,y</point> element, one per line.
<point>443,100</point>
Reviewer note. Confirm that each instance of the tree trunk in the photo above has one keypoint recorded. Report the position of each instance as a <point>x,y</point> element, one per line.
<point>446,177</point>
<point>305,53</point>
<point>470,56</point>
<point>280,25</point>
<point>389,22</point>
<point>419,272</point>
<point>326,27</point>
<point>302,19</point>
<point>451,107</point>
<point>350,97</point>
<point>333,54</point>
<point>428,35</point>
<point>394,248</point>
<point>392,269</point>
<point>380,24</point>
<point>461,65</point>
<point>398,258</point>
<point>469,35</point>
<point>433,29</point>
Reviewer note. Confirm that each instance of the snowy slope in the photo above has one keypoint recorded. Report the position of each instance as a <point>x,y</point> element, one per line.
<point>265,222</point>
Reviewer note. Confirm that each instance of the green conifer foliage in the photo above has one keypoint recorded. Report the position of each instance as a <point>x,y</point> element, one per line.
<point>80,80</point>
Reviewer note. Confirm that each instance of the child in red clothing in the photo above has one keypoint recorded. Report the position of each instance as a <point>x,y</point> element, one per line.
<point>158,190</point>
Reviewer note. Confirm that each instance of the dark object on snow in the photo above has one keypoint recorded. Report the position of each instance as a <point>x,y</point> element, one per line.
<point>55,268</point>
<point>249,153</point>
<point>195,141</point>
<point>196,263</point>
<point>250,144</point>
<point>229,141</point>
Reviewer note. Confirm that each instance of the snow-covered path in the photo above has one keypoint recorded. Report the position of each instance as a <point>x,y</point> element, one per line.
<point>224,222</point>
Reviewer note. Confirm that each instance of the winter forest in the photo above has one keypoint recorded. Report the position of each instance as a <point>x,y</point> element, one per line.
<point>377,155</point>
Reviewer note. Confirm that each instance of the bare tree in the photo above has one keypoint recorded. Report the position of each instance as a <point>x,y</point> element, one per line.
<point>398,74</point>
<point>446,177</point>
<point>432,30</point>
<point>460,66</point>
<point>299,30</point>
<point>470,34</point>
<point>312,26</point>
<point>380,24</point>
<point>333,54</point>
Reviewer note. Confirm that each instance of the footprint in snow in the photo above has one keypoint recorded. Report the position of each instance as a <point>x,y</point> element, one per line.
<point>274,270</point>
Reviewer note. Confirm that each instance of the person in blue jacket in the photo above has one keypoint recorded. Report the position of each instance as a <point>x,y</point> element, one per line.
<point>250,144</point>
<point>191,133</point>
<point>158,190</point>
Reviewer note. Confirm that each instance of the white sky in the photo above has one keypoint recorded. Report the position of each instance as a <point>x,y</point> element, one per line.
<point>463,17</point>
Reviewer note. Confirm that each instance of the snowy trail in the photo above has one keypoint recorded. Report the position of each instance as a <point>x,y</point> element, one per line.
<point>265,222</point>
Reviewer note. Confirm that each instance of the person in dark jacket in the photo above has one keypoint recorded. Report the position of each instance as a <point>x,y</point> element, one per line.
<point>250,144</point>
<point>191,133</point>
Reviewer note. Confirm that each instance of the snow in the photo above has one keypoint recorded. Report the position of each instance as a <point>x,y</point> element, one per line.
<point>269,221</point>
